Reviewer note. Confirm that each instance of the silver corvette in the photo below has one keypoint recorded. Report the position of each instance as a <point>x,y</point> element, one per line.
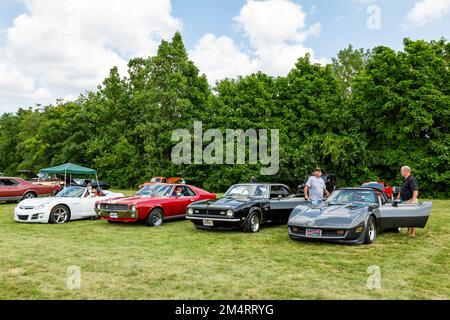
<point>355,215</point>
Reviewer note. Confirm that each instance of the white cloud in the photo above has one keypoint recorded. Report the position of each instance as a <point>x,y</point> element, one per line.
<point>61,48</point>
<point>276,31</point>
<point>220,58</point>
<point>427,11</point>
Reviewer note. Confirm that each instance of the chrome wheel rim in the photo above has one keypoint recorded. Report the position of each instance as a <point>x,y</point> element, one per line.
<point>372,231</point>
<point>29,196</point>
<point>157,219</point>
<point>254,223</point>
<point>60,215</point>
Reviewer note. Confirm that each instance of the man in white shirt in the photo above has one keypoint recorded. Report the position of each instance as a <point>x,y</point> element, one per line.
<point>315,188</point>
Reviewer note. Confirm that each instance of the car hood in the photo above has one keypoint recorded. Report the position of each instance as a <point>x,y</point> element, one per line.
<point>339,216</point>
<point>135,200</point>
<point>38,201</point>
<point>222,203</point>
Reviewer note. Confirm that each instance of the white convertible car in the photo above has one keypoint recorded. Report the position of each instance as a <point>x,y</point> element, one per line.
<point>72,203</point>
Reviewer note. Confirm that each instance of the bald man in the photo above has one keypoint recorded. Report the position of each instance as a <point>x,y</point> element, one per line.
<point>409,192</point>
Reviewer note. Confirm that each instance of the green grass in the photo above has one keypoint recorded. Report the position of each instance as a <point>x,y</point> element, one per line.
<point>176,261</point>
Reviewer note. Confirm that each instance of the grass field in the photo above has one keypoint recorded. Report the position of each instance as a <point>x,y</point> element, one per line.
<point>176,261</point>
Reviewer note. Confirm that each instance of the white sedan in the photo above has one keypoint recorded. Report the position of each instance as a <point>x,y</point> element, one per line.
<point>72,203</point>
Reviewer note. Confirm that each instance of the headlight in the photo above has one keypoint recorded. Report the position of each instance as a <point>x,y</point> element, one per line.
<point>133,208</point>
<point>41,206</point>
<point>230,213</point>
<point>190,211</point>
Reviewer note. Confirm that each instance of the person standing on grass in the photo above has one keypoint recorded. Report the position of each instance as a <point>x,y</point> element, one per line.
<point>315,188</point>
<point>409,192</point>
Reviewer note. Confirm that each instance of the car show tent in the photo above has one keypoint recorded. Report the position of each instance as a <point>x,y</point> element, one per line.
<point>70,168</point>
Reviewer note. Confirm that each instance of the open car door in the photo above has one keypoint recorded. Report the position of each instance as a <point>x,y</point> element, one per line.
<point>403,215</point>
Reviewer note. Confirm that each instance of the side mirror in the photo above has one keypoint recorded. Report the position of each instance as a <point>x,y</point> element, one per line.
<point>395,203</point>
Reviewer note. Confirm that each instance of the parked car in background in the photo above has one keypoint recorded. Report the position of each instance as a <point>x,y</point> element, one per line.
<point>330,180</point>
<point>84,182</point>
<point>162,180</point>
<point>72,203</point>
<point>15,189</point>
<point>153,204</point>
<point>354,215</point>
<point>42,178</point>
<point>380,185</point>
<point>245,207</point>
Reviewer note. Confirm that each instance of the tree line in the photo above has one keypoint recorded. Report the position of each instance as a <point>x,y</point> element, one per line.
<point>362,116</point>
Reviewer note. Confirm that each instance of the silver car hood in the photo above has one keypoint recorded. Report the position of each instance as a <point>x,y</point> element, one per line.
<point>331,216</point>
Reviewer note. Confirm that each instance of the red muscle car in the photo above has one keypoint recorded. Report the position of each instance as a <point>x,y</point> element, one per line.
<point>14,189</point>
<point>153,204</point>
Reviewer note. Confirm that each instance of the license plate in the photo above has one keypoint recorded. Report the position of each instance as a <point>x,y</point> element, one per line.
<point>113,215</point>
<point>208,223</point>
<point>313,233</point>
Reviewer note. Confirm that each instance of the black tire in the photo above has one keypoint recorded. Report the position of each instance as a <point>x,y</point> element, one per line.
<point>370,235</point>
<point>60,214</point>
<point>29,195</point>
<point>253,223</point>
<point>394,230</point>
<point>155,218</point>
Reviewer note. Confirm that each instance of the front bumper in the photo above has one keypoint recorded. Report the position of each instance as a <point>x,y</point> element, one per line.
<point>119,216</point>
<point>351,236</point>
<point>219,223</point>
<point>31,215</point>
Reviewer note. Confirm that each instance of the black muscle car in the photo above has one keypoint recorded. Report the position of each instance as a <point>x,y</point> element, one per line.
<point>354,215</point>
<point>245,207</point>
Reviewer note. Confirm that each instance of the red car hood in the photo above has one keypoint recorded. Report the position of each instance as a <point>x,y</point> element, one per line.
<point>135,200</point>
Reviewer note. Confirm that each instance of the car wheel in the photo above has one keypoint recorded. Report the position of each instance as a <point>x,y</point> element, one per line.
<point>29,195</point>
<point>394,230</point>
<point>155,218</point>
<point>371,231</point>
<point>253,223</point>
<point>60,214</point>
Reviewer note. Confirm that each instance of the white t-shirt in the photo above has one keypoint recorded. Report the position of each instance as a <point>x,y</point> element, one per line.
<point>316,188</point>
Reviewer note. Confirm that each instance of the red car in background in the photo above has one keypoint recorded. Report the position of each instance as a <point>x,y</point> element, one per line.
<point>153,204</point>
<point>15,189</point>
<point>380,185</point>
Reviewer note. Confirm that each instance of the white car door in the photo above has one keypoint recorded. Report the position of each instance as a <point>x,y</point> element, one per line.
<point>87,206</point>
<point>74,204</point>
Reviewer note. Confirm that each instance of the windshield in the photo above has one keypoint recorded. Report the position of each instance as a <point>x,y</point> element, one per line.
<point>345,196</point>
<point>71,192</point>
<point>155,190</point>
<point>248,190</point>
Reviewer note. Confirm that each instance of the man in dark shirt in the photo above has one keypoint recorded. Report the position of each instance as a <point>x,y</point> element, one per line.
<point>409,192</point>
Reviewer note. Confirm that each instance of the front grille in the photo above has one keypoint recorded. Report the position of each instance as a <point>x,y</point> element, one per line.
<point>328,233</point>
<point>207,212</point>
<point>26,208</point>
<point>22,217</point>
<point>113,207</point>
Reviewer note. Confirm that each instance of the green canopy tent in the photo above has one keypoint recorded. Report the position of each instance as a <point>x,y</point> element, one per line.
<point>70,168</point>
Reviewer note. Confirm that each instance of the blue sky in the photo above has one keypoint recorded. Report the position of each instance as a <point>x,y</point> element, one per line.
<point>343,22</point>
<point>58,49</point>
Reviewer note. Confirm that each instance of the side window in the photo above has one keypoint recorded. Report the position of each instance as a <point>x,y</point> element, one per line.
<point>10,182</point>
<point>261,191</point>
<point>188,191</point>
<point>1,183</point>
<point>277,191</point>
